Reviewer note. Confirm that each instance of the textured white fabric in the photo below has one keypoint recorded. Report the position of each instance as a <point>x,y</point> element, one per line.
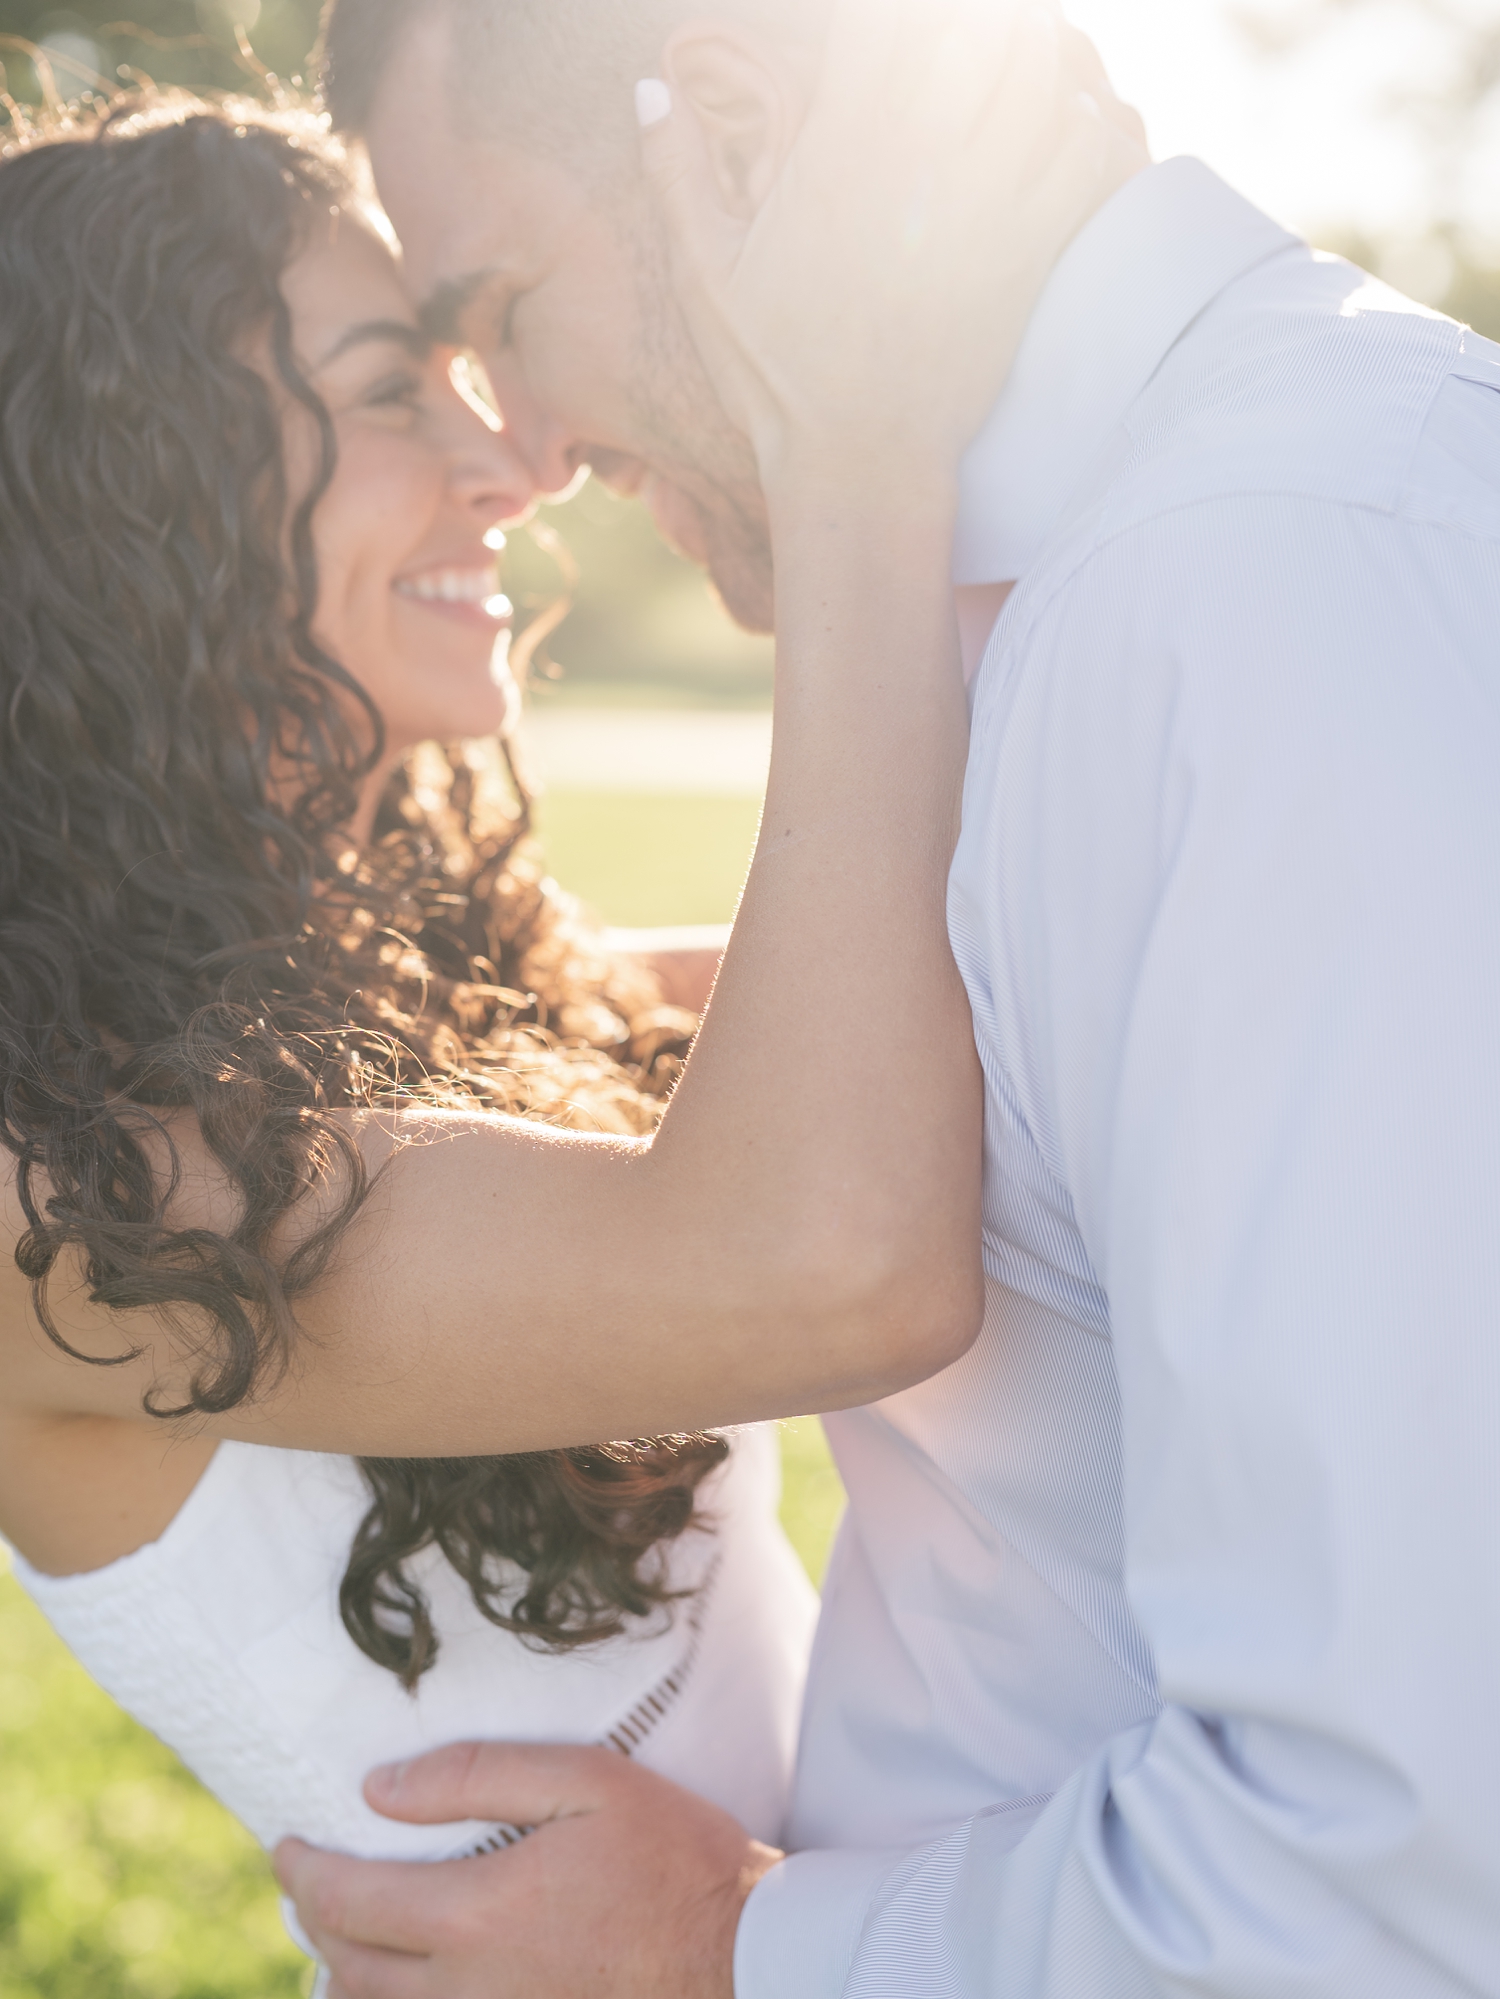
<point>1201,1538</point>
<point>224,1639</point>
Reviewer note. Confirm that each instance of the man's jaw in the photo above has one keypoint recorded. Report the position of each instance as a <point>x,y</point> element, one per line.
<point>730,543</point>
<point>741,570</point>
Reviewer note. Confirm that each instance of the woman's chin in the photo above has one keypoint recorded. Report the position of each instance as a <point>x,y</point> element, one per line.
<point>446,690</point>
<point>446,712</point>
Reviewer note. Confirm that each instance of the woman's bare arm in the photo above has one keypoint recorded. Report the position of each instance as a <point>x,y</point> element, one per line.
<point>803,1231</point>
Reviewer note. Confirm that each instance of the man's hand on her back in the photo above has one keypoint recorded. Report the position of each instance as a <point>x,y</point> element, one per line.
<point>628,1887</point>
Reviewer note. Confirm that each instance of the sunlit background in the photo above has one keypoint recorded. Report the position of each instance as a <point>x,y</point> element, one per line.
<point>1374,125</point>
<point>1335,117</point>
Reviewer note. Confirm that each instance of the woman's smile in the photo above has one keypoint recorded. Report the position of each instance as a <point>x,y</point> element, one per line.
<point>468,592</point>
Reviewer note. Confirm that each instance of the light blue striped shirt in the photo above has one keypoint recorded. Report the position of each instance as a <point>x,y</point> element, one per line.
<point>1161,1646</point>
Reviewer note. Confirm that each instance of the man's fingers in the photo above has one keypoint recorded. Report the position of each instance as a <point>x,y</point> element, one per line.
<point>966,61</point>
<point>1088,69</point>
<point>862,38</point>
<point>389,1905</point>
<point>510,1783</point>
<point>1023,120</point>
<point>1093,157</point>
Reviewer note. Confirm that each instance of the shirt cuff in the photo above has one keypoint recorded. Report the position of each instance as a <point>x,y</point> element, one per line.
<point>802,1922</point>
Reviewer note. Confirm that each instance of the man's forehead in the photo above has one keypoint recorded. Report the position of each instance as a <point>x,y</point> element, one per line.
<point>470,211</point>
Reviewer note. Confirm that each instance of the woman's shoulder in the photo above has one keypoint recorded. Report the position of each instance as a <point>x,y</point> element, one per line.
<point>86,1476</point>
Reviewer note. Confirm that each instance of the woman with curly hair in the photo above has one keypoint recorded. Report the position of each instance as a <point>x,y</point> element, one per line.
<point>339,1219</point>
<point>243,513</point>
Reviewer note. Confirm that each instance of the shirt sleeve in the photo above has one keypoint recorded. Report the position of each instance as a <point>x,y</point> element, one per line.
<point>803,1923</point>
<point>1239,811</point>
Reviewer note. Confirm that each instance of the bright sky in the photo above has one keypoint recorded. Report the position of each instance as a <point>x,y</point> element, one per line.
<point>1304,137</point>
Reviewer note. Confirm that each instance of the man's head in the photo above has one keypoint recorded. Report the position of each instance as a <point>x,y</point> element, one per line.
<point>505,148</point>
<point>504,143</point>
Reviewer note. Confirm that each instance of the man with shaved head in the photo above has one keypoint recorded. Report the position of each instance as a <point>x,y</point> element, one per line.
<point>1160,1641</point>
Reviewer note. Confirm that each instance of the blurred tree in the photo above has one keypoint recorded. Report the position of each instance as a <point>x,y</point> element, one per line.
<point>1279,25</point>
<point>1452,112</point>
<point>1449,111</point>
<point>203,44</point>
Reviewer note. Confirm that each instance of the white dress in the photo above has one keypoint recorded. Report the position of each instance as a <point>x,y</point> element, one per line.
<point>224,1639</point>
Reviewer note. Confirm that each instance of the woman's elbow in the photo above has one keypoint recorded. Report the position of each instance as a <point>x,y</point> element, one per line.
<point>882,1323</point>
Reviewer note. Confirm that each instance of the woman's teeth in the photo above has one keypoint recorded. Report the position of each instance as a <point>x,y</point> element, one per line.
<point>455,586</point>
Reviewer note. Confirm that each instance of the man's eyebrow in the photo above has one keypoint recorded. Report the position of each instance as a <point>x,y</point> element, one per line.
<point>442,313</point>
<point>399,332</point>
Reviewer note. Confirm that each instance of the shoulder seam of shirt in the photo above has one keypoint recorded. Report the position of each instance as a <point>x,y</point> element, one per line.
<point>1103,543</point>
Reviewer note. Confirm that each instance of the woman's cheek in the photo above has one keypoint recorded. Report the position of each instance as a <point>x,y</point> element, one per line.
<point>373,520</point>
<point>390,494</point>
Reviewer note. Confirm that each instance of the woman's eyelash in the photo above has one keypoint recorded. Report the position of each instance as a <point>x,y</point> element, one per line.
<point>396,389</point>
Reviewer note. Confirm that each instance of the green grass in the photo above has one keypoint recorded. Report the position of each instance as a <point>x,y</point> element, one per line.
<point>639,859</point>
<point>812,1494</point>
<point>119,1877</point>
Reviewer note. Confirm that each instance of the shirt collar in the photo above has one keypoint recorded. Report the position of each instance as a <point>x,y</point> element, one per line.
<point>1124,292</point>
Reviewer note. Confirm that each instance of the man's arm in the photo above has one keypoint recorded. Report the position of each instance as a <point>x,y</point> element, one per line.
<point>1243,831</point>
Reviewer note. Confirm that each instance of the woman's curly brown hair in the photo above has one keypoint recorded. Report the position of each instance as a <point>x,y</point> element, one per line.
<point>171,938</point>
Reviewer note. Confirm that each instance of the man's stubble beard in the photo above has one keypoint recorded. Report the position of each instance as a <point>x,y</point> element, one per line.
<point>696,449</point>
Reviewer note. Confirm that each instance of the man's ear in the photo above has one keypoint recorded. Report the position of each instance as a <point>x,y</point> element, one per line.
<point>748,95</point>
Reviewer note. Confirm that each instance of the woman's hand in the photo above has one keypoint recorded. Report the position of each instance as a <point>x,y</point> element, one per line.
<point>867,310</point>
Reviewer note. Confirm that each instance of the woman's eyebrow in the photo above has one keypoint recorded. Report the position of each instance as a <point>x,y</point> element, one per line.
<point>400,332</point>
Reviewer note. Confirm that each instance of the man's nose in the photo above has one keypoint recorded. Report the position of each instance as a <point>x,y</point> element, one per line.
<point>553,455</point>
<point>487,475</point>
<point>493,481</point>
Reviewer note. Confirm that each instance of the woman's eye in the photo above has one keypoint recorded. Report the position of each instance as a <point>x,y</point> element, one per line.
<point>395,392</point>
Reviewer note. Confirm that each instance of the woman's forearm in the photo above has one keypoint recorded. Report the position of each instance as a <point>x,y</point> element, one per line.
<point>839,1027</point>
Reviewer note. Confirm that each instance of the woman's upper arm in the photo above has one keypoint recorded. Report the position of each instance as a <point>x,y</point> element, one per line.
<point>509,1288</point>
<point>506,1287</point>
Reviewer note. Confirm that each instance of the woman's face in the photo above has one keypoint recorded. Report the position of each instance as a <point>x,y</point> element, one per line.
<point>408,598</point>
